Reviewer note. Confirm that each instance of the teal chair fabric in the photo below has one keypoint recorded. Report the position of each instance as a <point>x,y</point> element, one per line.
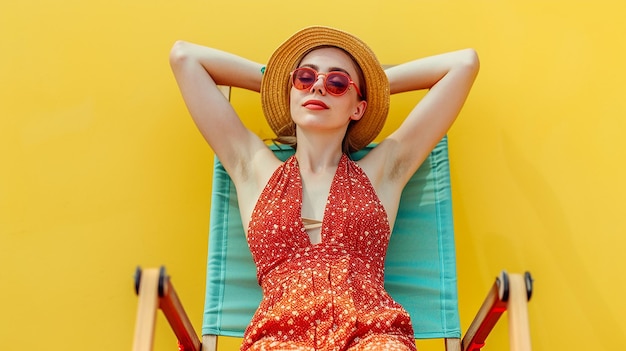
<point>420,271</point>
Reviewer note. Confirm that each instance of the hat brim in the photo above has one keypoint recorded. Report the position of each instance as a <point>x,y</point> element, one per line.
<point>275,85</point>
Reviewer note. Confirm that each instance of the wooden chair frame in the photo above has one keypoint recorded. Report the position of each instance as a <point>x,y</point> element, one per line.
<point>155,291</point>
<point>510,292</point>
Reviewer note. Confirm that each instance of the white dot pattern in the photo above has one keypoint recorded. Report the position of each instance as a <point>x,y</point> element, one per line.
<point>328,296</point>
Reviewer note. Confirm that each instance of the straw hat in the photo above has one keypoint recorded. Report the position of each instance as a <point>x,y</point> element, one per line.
<point>276,84</point>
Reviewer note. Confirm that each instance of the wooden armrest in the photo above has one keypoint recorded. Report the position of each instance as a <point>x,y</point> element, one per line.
<point>510,292</point>
<point>155,291</point>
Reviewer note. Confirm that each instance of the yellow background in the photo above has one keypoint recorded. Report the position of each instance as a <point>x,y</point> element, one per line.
<point>103,170</point>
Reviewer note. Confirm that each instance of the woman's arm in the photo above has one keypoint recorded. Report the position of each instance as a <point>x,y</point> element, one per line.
<point>223,67</point>
<point>449,78</point>
<point>198,70</point>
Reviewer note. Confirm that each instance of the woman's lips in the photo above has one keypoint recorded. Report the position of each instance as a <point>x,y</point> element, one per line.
<point>315,105</point>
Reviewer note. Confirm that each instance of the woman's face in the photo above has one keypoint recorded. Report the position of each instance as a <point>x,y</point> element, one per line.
<point>315,108</point>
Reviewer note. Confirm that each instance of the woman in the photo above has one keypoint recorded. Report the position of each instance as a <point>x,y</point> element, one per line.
<point>318,224</point>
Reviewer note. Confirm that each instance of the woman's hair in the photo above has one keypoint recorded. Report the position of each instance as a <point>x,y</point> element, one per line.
<point>291,140</point>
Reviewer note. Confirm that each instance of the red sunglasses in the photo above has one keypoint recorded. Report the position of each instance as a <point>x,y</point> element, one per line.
<point>335,83</point>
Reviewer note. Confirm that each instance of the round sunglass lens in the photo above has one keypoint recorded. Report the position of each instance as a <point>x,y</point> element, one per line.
<point>303,78</point>
<point>337,83</point>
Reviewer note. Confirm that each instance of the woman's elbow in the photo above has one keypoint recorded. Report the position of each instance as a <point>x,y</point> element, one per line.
<point>470,59</point>
<point>179,52</point>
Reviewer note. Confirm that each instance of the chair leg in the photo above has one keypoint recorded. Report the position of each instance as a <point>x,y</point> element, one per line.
<point>146,310</point>
<point>519,331</point>
<point>209,342</point>
<point>453,344</point>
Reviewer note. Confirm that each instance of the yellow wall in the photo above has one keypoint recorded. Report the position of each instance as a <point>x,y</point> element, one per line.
<point>102,169</point>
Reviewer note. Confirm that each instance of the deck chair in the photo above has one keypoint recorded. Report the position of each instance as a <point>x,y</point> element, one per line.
<point>420,271</point>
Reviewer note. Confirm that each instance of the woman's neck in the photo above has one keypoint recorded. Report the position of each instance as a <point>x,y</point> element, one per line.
<point>319,150</point>
<point>317,159</point>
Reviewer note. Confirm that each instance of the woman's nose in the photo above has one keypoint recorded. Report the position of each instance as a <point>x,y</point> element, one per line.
<point>319,84</point>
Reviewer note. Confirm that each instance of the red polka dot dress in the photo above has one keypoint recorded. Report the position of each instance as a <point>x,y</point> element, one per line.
<point>328,296</point>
